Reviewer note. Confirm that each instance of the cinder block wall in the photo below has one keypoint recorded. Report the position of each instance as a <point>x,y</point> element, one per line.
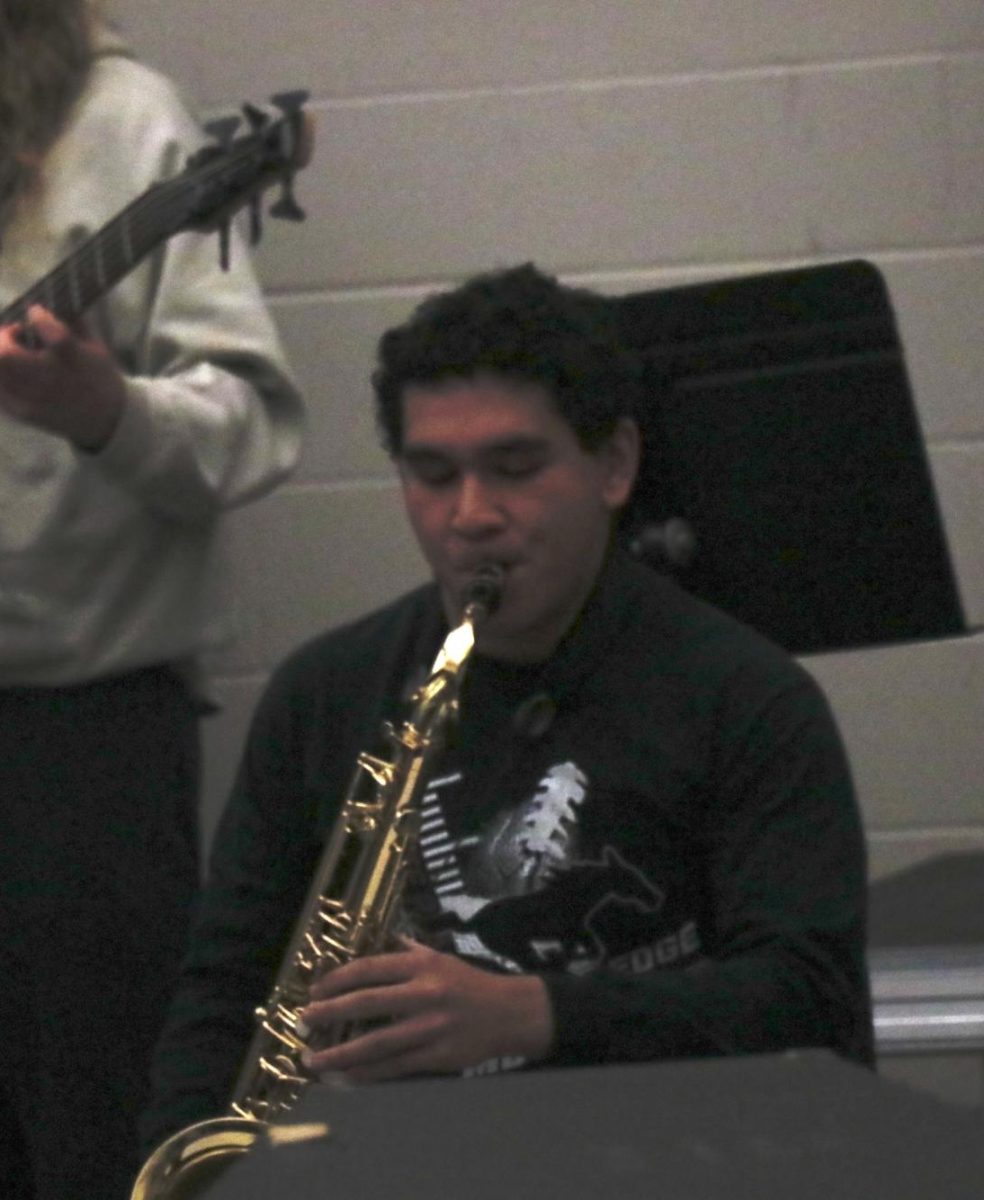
<point>624,144</point>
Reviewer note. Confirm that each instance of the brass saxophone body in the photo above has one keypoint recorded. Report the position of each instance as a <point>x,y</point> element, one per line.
<point>352,909</point>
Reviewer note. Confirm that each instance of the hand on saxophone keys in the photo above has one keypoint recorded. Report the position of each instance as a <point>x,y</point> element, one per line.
<point>441,1016</point>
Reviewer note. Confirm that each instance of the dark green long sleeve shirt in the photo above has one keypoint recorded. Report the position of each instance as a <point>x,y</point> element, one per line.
<point>659,820</point>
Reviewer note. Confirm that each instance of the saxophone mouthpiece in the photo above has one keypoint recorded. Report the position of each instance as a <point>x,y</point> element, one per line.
<point>485,590</point>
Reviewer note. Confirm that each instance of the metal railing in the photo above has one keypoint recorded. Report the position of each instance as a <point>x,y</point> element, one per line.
<point>928,999</point>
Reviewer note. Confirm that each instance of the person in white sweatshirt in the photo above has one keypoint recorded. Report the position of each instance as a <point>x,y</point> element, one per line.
<point>123,440</point>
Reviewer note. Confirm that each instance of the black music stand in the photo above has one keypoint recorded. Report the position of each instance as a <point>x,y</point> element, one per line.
<point>806,1126</point>
<point>783,441</point>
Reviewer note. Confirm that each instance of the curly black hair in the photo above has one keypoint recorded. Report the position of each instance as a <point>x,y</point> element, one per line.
<point>517,325</point>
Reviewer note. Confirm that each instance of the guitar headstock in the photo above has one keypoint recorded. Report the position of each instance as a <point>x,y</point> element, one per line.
<point>248,155</point>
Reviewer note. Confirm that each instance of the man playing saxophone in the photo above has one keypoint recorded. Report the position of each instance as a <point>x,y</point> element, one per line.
<point>641,840</point>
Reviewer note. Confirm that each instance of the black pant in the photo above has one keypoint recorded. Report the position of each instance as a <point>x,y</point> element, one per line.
<point>98,872</point>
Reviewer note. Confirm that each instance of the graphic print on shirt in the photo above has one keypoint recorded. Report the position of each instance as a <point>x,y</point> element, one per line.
<point>522,872</point>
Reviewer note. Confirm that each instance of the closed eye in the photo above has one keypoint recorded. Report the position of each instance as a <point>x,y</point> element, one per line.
<point>518,462</point>
<point>431,469</point>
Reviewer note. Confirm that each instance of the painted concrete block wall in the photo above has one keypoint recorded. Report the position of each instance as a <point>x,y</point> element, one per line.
<point>624,144</point>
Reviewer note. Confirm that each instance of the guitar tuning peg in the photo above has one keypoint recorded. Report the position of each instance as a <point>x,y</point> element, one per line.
<point>287,208</point>
<point>255,221</point>
<point>256,117</point>
<point>222,130</point>
<point>290,102</point>
<point>224,245</point>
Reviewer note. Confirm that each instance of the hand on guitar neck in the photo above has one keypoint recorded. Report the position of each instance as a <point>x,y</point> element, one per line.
<point>60,378</point>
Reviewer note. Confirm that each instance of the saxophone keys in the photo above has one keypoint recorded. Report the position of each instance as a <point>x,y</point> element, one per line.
<point>380,770</point>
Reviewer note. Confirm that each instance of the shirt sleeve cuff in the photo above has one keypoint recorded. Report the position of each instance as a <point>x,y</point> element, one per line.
<point>132,442</point>
<point>580,1020</point>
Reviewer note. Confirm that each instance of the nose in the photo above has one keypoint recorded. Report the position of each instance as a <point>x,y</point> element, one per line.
<point>475,512</point>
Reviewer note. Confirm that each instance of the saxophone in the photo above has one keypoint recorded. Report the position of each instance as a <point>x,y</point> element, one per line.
<point>352,909</point>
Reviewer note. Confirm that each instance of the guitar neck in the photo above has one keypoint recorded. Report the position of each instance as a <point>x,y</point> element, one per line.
<point>218,180</point>
<point>103,259</point>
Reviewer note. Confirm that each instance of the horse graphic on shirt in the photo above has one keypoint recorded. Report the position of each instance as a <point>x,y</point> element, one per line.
<point>574,923</point>
<point>525,896</point>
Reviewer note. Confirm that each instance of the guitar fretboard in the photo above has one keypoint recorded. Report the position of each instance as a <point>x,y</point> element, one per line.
<point>106,257</point>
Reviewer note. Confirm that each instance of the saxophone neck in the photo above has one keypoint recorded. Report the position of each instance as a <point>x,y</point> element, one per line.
<point>454,652</point>
<point>481,599</point>
<point>483,595</point>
